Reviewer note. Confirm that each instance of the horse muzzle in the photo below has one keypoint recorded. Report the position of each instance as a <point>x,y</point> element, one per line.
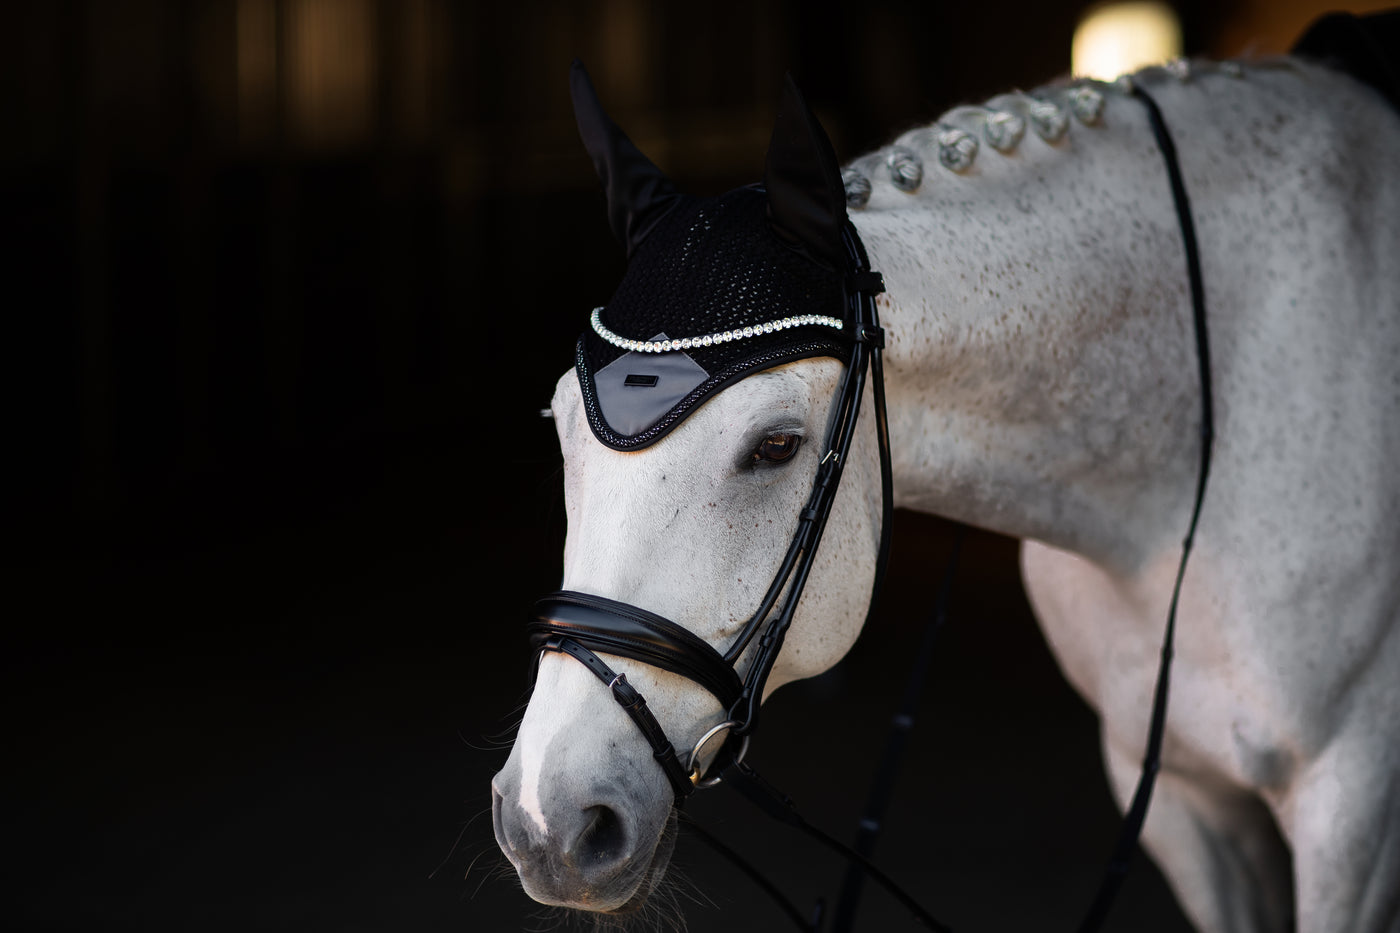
<point>592,850</point>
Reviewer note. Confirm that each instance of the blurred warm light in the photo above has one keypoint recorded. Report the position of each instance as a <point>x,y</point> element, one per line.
<point>256,56</point>
<point>331,61</point>
<point>1120,38</point>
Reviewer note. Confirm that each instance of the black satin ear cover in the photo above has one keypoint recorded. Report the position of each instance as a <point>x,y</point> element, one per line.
<point>638,193</point>
<point>806,200</point>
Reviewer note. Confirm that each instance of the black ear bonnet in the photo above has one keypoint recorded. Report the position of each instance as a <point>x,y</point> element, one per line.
<point>722,286</point>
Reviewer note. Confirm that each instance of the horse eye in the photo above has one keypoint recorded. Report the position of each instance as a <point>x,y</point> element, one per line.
<point>777,448</point>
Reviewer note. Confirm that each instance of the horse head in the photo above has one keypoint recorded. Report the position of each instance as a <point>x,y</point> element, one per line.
<point>700,411</point>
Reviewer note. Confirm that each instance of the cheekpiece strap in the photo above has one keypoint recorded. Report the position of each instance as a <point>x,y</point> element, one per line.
<point>868,281</point>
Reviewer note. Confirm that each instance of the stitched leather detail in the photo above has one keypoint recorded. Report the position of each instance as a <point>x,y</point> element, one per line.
<point>631,700</point>
<point>616,628</point>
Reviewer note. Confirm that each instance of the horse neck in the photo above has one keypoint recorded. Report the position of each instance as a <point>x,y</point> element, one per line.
<point>1042,379</point>
<point>1042,371</point>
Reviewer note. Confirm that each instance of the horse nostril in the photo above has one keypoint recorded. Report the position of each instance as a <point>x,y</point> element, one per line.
<point>604,839</point>
<point>500,822</point>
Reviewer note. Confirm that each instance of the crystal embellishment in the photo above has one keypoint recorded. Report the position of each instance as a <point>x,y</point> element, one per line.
<point>685,343</point>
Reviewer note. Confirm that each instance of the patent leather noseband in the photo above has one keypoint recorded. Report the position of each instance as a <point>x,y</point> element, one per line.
<point>578,624</point>
<point>582,625</point>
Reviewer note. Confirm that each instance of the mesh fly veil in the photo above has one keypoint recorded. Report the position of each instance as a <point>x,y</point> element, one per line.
<point>733,284</point>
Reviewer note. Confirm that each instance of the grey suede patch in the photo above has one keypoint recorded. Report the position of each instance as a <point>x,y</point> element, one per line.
<point>636,389</point>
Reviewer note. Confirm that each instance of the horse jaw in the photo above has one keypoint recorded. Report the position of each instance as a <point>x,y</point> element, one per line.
<point>690,529</point>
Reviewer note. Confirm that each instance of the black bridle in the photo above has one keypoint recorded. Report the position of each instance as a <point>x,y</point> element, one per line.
<point>579,624</point>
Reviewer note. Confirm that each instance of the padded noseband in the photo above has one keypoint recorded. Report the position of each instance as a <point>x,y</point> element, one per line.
<point>612,627</point>
<point>579,624</point>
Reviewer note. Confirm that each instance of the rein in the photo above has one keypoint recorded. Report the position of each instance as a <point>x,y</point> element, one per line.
<point>580,624</point>
<point>1152,760</point>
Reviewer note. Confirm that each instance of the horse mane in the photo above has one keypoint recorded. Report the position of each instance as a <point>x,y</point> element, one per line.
<point>956,138</point>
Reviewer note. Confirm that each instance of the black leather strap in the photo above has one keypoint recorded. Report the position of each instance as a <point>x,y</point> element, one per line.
<point>613,627</point>
<point>631,700</point>
<point>866,280</point>
<point>778,805</point>
<point>867,341</point>
<point>1133,820</point>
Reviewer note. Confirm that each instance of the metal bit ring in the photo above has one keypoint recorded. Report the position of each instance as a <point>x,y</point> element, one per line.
<point>693,764</point>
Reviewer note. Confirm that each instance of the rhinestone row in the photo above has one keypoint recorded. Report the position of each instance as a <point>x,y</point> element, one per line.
<point>686,343</point>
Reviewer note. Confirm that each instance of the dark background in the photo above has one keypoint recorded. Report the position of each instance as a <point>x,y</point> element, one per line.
<point>286,285</point>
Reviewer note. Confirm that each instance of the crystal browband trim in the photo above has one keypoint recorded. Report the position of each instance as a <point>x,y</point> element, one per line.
<point>686,343</point>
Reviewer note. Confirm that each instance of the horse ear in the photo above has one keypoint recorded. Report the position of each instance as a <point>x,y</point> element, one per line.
<point>638,193</point>
<point>806,201</point>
